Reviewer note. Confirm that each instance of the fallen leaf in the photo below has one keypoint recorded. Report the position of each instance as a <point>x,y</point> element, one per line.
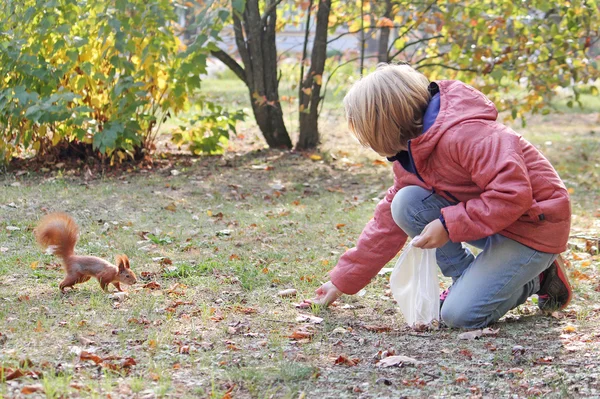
<point>461,379</point>
<point>29,389</point>
<point>153,285</point>
<point>38,327</point>
<point>339,225</point>
<point>171,207</point>
<point>339,330</point>
<point>309,318</point>
<point>515,370</point>
<point>378,328</point>
<point>302,305</point>
<point>90,356</point>
<point>470,335</point>
<point>301,334</point>
<point>345,361</point>
<point>128,362</point>
<point>288,292</point>
<point>569,329</point>
<point>397,360</point>
<point>488,332</point>
<point>12,374</point>
<point>379,162</point>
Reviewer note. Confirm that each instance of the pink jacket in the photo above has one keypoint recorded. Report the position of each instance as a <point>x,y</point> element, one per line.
<point>504,185</point>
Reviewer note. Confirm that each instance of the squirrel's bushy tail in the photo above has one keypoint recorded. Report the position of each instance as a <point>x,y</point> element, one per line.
<point>60,231</point>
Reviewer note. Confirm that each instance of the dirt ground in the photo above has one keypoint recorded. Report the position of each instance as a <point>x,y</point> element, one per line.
<point>215,240</point>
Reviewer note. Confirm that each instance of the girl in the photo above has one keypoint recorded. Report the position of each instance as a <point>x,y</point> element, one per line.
<point>459,176</point>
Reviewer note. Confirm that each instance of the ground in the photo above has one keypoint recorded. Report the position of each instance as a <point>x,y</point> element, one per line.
<point>214,240</point>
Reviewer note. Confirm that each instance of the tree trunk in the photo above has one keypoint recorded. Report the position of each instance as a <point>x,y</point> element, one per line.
<point>310,92</point>
<point>255,41</point>
<point>384,35</point>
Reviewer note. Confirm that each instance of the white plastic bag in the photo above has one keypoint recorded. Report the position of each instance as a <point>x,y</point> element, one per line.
<point>415,285</point>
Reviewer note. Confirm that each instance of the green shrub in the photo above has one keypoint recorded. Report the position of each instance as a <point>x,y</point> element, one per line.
<point>106,73</point>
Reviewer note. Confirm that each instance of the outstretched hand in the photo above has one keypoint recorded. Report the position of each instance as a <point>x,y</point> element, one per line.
<point>326,294</point>
<point>434,235</point>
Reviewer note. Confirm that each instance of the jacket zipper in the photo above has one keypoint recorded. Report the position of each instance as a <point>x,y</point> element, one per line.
<point>412,161</point>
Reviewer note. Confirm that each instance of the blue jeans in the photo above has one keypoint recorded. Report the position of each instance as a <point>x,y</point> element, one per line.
<point>485,286</point>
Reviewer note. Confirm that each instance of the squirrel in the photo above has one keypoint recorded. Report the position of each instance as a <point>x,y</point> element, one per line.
<point>58,231</point>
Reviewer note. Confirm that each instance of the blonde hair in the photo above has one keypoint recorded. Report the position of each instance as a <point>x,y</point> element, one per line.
<point>385,108</point>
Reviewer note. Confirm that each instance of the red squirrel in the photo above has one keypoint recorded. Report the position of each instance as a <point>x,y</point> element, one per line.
<point>59,232</point>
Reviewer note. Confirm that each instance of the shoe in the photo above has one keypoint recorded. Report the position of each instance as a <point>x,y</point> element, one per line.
<point>555,292</point>
<point>443,296</point>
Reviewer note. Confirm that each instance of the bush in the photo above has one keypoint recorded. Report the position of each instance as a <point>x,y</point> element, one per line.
<point>106,73</point>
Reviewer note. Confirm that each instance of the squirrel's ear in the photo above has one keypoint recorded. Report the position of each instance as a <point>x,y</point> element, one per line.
<point>120,263</point>
<point>125,261</point>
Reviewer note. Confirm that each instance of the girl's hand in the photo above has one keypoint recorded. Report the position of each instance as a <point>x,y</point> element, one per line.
<point>326,294</point>
<point>434,235</point>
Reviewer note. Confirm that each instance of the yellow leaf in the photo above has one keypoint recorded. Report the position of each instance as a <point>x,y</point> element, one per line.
<point>325,262</point>
<point>171,207</point>
<point>571,190</point>
<point>38,327</point>
<point>34,265</point>
<point>307,91</point>
<point>569,329</point>
<point>586,263</point>
<point>316,157</point>
<point>209,213</point>
<point>319,79</point>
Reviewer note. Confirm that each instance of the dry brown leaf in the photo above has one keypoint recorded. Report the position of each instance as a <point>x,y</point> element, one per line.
<point>153,285</point>
<point>11,374</point>
<point>345,361</point>
<point>29,389</point>
<point>90,356</point>
<point>301,334</point>
<point>38,327</point>
<point>128,362</point>
<point>378,329</point>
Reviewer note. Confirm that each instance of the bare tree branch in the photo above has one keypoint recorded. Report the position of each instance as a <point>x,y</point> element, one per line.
<point>231,63</point>
<point>413,43</point>
<point>448,67</point>
<point>400,36</point>
<point>336,69</point>
<point>359,30</point>
<point>304,48</point>
<point>269,10</point>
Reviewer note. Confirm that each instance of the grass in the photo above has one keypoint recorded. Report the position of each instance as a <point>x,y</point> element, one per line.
<point>222,242</point>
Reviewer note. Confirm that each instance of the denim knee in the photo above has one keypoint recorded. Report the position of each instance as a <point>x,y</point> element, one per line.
<point>404,201</point>
<point>462,316</point>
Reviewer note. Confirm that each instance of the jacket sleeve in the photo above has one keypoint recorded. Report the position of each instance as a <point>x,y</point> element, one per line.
<point>379,242</point>
<point>497,167</point>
